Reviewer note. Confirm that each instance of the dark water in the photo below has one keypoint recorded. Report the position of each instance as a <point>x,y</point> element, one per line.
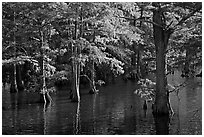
<point>114,110</point>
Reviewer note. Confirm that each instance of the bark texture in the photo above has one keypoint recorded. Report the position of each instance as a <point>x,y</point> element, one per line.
<point>161,37</point>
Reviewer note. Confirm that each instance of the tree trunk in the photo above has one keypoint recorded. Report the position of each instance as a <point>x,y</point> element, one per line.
<point>44,89</point>
<point>75,83</point>
<point>187,62</point>
<point>138,48</point>
<point>20,82</point>
<point>138,62</point>
<point>76,66</point>
<point>75,70</point>
<point>17,83</point>
<point>92,81</point>
<point>14,87</point>
<point>134,55</point>
<point>161,38</point>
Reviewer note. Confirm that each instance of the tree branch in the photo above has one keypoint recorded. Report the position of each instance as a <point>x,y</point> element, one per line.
<point>35,39</point>
<point>188,16</point>
<point>178,87</point>
<point>169,72</point>
<point>167,26</point>
<point>86,77</point>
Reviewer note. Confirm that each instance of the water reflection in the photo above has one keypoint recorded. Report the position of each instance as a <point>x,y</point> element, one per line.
<point>177,115</point>
<point>22,120</point>
<point>162,124</point>
<point>114,110</point>
<point>94,113</point>
<point>46,116</point>
<point>188,112</point>
<point>13,100</point>
<point>145,113</point>
<point>77,121</point>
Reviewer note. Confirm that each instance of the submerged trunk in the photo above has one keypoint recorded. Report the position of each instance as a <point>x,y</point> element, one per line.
<point>161,38</point>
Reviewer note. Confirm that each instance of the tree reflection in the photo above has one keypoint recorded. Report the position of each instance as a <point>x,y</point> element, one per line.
<point>162,124</point>
<point>178,118</point>
<point>46,111</point>
<point>15,99</point>
<point>94,115</point>
<point>145,108</point>
<point>77,121</point>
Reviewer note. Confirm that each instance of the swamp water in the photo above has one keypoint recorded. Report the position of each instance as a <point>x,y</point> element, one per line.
<point>114,110</point>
